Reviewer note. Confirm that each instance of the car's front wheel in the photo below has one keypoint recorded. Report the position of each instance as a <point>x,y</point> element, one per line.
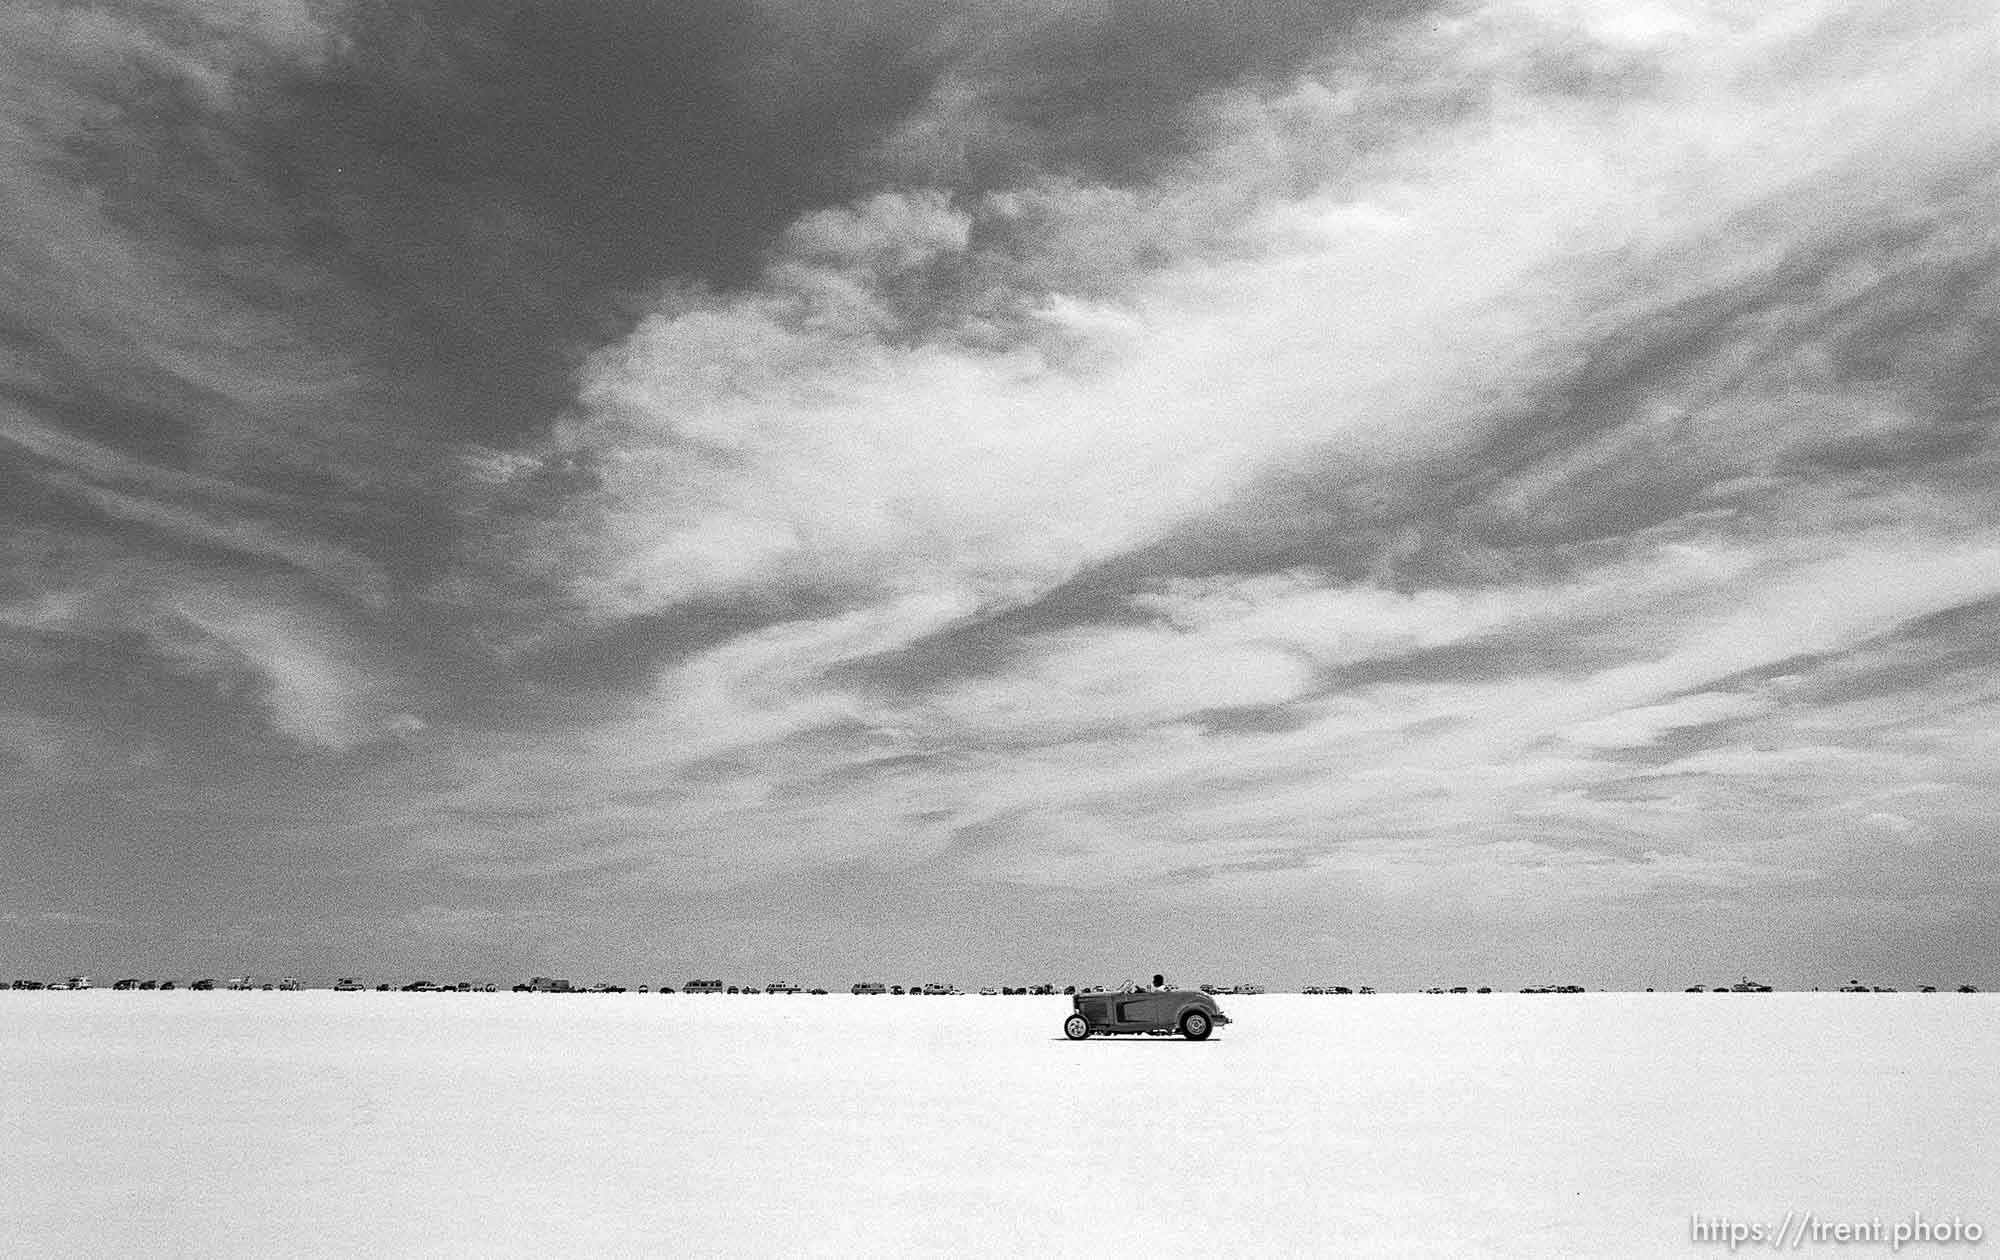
<point>1195,1026</point>
<point>1076,1028</point>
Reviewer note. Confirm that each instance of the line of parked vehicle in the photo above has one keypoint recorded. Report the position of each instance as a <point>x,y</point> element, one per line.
<point>548,984</point>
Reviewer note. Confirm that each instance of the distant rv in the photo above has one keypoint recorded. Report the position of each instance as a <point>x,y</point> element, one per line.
<point>548,984</point>
<point>782,986</point>
<point>868,987</point>
<point>702,986</point>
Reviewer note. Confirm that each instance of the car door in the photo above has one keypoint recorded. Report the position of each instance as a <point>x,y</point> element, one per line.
<point>1138,1010</point>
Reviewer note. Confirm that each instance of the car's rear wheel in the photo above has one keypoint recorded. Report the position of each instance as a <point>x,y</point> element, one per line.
<point>1076,1028</point>
<point>1195,1026</point>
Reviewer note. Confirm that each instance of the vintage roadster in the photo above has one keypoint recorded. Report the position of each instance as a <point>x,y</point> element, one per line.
<point>1189,1012</point>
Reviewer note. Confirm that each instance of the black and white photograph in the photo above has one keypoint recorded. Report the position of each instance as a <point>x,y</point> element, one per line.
<point>1101,628</point>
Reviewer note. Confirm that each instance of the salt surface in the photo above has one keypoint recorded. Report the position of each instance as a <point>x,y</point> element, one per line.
<point>262,1124</point>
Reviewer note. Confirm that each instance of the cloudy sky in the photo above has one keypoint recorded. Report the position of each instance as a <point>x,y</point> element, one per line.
<point>1383,493</point>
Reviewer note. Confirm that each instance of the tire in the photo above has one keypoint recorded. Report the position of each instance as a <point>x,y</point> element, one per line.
<point>1076,1028</point>
<point>1195,1026</point>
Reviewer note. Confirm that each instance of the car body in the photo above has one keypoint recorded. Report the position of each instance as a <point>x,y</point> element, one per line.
<point>1189,1012</point>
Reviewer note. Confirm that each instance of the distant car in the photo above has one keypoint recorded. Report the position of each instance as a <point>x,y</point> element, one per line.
<point>347,984</point>
<point>1189,1012</point>
<point>122,985</point>
<point>1966,988</point>
<point>895,990</point>
<point>203,985</point>
<point>989,991</point>
<point>164,985</point>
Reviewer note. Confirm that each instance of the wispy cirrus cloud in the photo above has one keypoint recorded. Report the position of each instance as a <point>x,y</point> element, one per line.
<point>1518,463</point>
